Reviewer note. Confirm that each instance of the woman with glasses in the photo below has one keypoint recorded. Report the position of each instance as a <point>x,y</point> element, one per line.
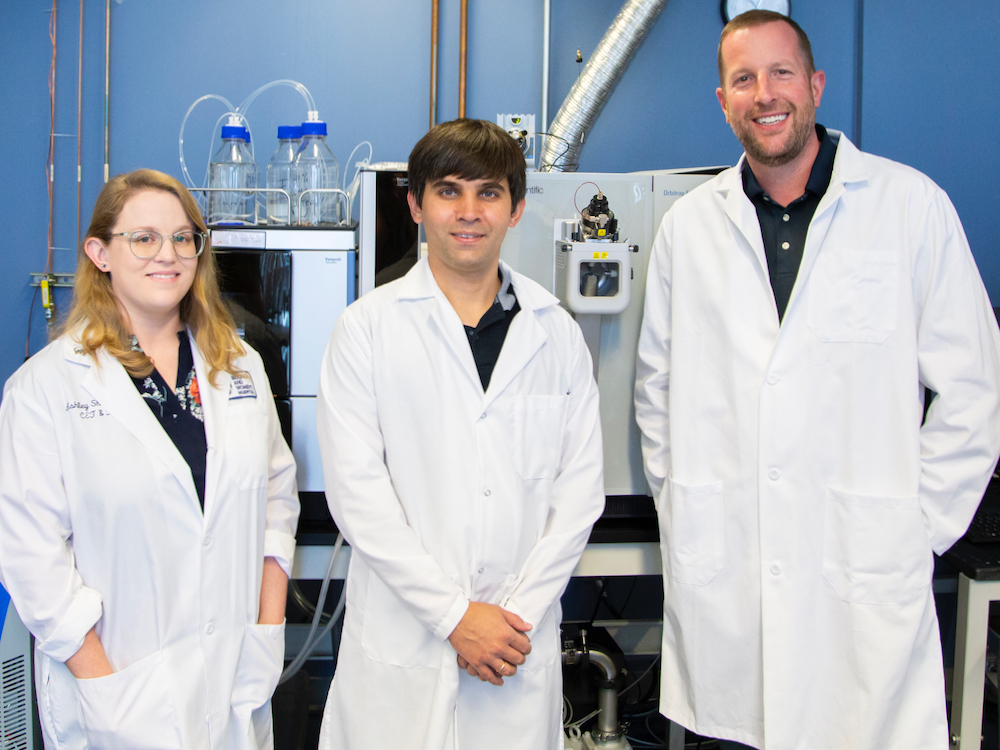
<point>147,496</point>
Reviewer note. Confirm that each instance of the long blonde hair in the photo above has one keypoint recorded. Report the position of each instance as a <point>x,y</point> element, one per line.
<point>95,318</point>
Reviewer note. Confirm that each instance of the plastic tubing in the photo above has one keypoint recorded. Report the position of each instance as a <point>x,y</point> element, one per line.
<point>353,190</point>
<point>237,112</point>
<point>310,103</point>
<point>309,647</point>
<point>312,639</point>
<point>180,144</point>
<point>357,171</point>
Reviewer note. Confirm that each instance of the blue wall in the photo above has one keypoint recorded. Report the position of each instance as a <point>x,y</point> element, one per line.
<point>902,77</point>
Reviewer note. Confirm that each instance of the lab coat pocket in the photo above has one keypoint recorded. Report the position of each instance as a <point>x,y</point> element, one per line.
<point>539,423</point>
<point>392,635</point>
<point>261,661</point>
<point>545,646</point>
<point>695,538</point>
<point>852,296</point>
<point>875,549</point>
<point>130,709</point>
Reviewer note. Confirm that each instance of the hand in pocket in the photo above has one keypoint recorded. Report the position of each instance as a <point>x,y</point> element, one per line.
<point>131,709</point>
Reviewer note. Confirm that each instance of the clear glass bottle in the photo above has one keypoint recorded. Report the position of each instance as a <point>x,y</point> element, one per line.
<point>232,167</point>
<point>281,175</point>
<point>317,167</point>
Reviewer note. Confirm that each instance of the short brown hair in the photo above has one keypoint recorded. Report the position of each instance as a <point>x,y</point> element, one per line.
<point>753,18</point>
<point>471,150</point>
<point>94,317</point>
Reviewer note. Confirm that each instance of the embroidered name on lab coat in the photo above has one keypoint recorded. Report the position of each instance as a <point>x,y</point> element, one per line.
<point>242,387</point>
<point>87,409</point>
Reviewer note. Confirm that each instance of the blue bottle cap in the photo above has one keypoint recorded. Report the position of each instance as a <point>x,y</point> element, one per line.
<point>246,134</point>
<point>232,131</point>
<point>314,128</point>
<point>289,131</point>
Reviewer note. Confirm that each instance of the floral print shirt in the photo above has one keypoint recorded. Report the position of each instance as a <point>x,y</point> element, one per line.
<point>179,410</point>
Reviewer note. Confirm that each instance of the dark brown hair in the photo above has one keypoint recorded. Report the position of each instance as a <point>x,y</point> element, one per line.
<point>470,150</point>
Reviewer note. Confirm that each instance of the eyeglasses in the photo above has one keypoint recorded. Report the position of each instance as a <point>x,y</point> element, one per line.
<point>146,244</point>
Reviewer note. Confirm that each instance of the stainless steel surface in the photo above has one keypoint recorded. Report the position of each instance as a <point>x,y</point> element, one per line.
<point>617,559</point>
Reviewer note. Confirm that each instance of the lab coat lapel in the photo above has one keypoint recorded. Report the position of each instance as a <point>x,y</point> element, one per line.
<point>215,407</point>
<point>848,167</point>
<point>111,385</point>
<point>742,213</point>
<point>524,338</point>
<point>419,285</point>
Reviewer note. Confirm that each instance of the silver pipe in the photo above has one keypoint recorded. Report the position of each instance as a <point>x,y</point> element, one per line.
<point>607,697</point>
<point>607,719</point>
<point>604,663</point>
<point>596,83</point>
<point>546,33</point>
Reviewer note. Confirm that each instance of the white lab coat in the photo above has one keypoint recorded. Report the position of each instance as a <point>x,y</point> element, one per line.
<point>100,523</point>
<point>799,498</point>
<point>449,495</point>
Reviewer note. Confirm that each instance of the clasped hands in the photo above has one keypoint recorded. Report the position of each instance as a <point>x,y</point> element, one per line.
<point>490,642</point>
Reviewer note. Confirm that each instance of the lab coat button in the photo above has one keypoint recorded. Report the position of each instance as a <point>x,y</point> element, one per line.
<point>482,569</point>
<point>775,569</point>
<point>774,474</point>
<point>785,246</point>
<point>207,540</point>
<point>483,416</point>
<point>487,493</point>
<point>772,379</point>
<point>210,628</point>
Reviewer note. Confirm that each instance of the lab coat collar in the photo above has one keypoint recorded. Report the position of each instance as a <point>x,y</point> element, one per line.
<point>524,337</point>
<point>419,283</point>
<point>419,287</point>
<point>530,296</point>
<point>848,168</point>
<point>743,215</point>
<point>109,383</point>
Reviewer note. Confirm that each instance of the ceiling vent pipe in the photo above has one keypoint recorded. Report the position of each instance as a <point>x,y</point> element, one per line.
<point>597,81</point>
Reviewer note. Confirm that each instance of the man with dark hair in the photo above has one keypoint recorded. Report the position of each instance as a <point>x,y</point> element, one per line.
<point>797,307</point>
<point>458,422</point>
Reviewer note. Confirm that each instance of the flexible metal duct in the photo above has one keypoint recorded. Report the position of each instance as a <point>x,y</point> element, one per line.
<point>593,88</point>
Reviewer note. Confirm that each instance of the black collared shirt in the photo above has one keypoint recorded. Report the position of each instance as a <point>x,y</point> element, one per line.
<point>784,228</point>
<point>179,410</point>
<point>487,338</point>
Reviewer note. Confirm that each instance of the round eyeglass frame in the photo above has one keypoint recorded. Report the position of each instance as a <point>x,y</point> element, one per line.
<point>131,237</point>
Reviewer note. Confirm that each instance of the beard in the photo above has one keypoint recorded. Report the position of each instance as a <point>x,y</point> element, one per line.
<point>803,126</point>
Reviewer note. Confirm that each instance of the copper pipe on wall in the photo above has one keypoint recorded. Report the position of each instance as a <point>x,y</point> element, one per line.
<point>107,90</point>
<point>50,162</point>
<point>79,127</point>
<point>462,55</point>
<point>435,15</point>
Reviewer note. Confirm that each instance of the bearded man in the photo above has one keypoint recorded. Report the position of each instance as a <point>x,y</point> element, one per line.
<point>798,308</point>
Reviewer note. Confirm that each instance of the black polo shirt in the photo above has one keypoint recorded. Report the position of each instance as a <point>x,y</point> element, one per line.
<point>784,228</point>
<point>487,338</point>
